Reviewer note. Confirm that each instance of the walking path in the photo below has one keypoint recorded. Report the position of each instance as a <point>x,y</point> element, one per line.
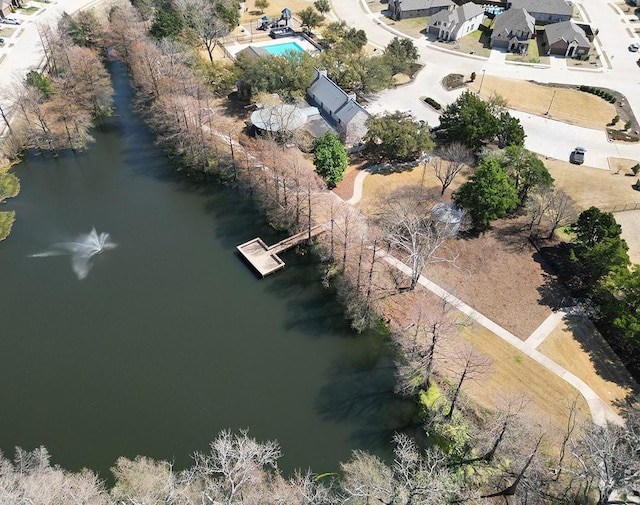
<point>601,412</point>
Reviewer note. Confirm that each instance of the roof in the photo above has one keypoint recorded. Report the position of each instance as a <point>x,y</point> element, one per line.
<point>254,52</point>
<point>414,5</point>
<point>334,98</point>
<point>567,31</point>
<point>278,117</point>
<point>544,6</point>
<point>458,15</point>
<point>512,21</point>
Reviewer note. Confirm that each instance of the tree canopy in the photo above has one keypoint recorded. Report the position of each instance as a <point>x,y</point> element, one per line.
<point>488,195</point>
<point>397,137</point>
<point>310,18</point>
<point>599,249</point>
<point>470,121</point>
<point>168,22</point>
<point>330,158</point>
<point>288,75</point>
<point>400,55</point>
<point>526,169</point>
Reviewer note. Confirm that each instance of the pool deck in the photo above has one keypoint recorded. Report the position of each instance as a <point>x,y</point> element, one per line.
<point>260,40</point>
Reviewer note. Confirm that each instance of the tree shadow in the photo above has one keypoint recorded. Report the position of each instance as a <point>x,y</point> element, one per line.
<point>606,362</point>
<point>361,391</point>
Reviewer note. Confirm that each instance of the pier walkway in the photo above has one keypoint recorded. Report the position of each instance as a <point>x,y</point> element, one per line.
<point>264,259</point>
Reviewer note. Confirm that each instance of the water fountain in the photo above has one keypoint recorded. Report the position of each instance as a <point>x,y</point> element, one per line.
<point>81,250</point>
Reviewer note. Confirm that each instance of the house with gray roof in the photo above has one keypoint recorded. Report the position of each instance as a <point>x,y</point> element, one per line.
<point>339,109</point>
<point>513,30</point>
<point>452,25</point>
<point>402,9</point>
<point>565,39</point>
<point>545,11</point>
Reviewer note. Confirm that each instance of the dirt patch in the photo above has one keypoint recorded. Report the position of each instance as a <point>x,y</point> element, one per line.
<point>453,81</point>
<point>577,346</point>
<point>565,104</point>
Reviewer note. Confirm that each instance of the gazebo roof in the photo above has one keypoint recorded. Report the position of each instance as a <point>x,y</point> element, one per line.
<point>278,117</point>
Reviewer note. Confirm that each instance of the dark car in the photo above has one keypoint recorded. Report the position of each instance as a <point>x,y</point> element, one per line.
<point>577,155</point>
<point>1,40</point>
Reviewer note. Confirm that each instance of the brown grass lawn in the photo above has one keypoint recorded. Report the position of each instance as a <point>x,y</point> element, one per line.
<point>474,43</point>
<point>569,105</point>
<point>622,165</point>
<point>377,5</point>
<point>252,14</point>
<point>414,27</point>
<point>577,346</point>
<point>630,222</point>
<point>593,186</point>
<point>512,374</point>
<point>516,374</point>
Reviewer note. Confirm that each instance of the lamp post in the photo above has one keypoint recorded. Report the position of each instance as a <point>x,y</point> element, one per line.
<point>549,108</point>
<point>481,81</point>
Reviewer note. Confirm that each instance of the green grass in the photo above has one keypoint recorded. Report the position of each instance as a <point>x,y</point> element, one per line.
<point>6,222</point>
<point>9,186</point>
<point>29,10</point>
<point>517,358</point>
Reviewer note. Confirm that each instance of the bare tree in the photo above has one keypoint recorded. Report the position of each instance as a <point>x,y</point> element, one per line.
<point>450,160</point>
<point>471,365</point>
<point>411,229</point>
<point>235,463</point>
<point>415,477</point>
<point>419,342</point>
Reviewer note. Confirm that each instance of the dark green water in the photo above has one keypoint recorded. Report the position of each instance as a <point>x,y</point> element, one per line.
<point>171,337</point>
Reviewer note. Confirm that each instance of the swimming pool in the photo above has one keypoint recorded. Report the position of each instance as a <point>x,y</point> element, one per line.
<point>283,48</point>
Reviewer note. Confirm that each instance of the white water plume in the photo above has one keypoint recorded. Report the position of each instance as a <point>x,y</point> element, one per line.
<point>85,247</point>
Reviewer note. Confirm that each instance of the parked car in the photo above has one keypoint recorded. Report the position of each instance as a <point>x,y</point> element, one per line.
<point>10,21</point>
<point>577,155</point>
<point>1,40</point>
<point>634,47</point>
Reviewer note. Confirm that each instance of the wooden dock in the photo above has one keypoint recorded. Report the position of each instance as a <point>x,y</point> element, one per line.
<point>264,259</point>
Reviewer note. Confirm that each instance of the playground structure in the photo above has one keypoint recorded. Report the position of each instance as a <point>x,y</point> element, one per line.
<point>266,23</point>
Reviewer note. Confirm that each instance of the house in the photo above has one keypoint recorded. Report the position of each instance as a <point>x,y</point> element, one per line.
<point>402,9</point>
<point>5,8</point>
<point>565,39</point>
<point>545,11</point>
<point>452,25</point>
<point>513,30</point>
<point>340,109</point>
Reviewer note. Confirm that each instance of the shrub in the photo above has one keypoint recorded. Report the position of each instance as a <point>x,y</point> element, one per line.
<point>628,124</point>
<point>473,76</point>
<point>635,168</point>
<point>615,120</point>
<point>433,103</point>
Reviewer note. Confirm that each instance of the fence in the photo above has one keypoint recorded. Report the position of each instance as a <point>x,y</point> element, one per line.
<point>625,207</point>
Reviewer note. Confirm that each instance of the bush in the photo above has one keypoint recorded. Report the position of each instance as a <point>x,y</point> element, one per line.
<point>628,124</point>
<point>473,76</point>
<point>433,103</point>
<point>635,168</point>
<point>615,120</point>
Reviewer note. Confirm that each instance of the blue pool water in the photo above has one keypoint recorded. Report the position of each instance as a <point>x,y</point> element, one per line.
<point>283,48</point>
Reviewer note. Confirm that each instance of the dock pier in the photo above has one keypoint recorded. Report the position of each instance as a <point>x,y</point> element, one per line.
<point>264,259</point>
